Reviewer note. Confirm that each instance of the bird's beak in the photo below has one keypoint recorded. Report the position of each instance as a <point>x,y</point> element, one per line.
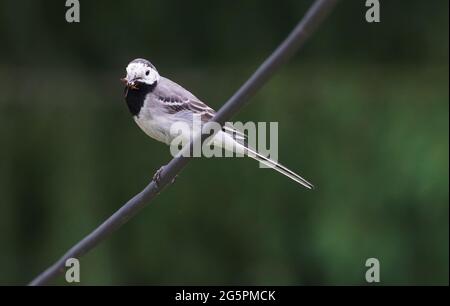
<point>124,81</point>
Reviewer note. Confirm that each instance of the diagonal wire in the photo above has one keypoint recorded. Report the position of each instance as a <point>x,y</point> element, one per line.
<point>313,17</point>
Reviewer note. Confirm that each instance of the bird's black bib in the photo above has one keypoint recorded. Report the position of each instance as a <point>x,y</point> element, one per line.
<point>135,97</point>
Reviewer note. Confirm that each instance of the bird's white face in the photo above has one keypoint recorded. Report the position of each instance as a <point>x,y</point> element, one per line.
<point>140,72</point>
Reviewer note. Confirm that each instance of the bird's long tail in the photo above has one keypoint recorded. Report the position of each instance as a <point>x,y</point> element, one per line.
<point>278,167</point>
<point>234,141</point>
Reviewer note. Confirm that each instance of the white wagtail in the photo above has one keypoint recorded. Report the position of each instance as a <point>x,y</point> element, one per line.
<point>157,102</point>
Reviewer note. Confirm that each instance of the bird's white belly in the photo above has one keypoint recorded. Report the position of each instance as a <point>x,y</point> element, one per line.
<point>154,128</point>
<point>159,128</point>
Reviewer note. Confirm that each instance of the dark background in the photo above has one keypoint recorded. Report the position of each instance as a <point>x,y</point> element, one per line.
<point>362,111</point>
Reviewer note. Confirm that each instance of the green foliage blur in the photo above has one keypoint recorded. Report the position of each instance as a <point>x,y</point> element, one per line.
<point>363,113</point>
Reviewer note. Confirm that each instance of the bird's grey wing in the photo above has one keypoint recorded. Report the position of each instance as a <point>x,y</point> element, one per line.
<point>176,100</point>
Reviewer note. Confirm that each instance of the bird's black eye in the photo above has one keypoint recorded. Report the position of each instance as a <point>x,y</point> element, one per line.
<point>147,72</point>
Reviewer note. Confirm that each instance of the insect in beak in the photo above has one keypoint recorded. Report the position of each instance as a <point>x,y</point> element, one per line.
<point>127,84</point>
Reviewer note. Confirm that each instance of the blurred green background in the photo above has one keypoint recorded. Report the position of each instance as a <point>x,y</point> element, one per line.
<point>362,111</point>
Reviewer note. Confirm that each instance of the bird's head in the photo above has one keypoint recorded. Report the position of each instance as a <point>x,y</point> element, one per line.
<point>140,71</point>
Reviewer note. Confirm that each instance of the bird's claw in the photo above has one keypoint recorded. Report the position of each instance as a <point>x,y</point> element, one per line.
<point>157,177</point>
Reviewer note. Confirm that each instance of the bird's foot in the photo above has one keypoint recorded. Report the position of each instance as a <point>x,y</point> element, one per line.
<point>157,177</point>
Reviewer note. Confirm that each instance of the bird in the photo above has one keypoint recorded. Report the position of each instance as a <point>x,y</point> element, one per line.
<point>156,102</point>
